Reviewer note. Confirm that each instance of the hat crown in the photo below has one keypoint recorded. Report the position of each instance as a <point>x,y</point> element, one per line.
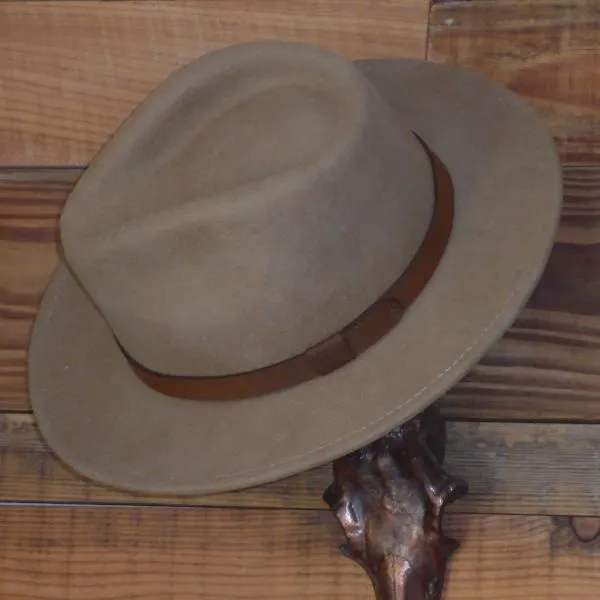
<point>254,204</point>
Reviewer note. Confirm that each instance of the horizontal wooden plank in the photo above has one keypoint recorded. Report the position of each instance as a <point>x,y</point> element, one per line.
<point>151,553</point>
<point>72,71</point>
<point>547,364</point>
<point>30,202</point>
<point>512,468</point>
<point>546,367</point>
<point>545,50</point>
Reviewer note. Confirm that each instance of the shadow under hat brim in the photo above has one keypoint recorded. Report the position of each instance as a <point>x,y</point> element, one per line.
<point>108,426</point>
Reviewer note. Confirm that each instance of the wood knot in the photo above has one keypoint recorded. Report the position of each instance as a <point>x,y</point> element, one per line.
<point>586,529</point>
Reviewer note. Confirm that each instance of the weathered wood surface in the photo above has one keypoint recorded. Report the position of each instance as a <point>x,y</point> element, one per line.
<point>512,468</point>
<point>30,201</point>
<point>546,50</point>
<point>151,553</point>
<point>546,367</point>
<point>72,71</point>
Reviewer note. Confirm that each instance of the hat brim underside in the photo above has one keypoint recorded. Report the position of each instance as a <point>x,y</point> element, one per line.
<point>106,425</point>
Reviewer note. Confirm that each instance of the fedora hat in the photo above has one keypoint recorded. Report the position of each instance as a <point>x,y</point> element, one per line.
<point>280,256</point>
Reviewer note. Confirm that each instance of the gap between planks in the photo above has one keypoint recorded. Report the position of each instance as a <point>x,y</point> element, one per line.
<point>512,468</point>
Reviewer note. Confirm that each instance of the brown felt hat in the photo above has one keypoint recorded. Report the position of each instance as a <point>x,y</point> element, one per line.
<point>280,256</point>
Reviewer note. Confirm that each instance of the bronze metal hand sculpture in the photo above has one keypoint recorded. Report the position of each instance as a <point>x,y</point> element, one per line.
<point>389,497</point>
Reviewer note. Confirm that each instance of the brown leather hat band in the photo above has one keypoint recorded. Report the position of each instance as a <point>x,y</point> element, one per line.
<point>342,347</point>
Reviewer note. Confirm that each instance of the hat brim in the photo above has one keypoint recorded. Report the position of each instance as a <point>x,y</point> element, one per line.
<point>105,424</point>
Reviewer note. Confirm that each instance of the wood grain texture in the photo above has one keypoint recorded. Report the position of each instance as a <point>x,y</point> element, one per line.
<point>547,366</point>
<point>30,202</point>
<point>159,553</point>
<point>545,50</point>
<point>549,52</point>
<point>72,71</point>
<point>512,468</point>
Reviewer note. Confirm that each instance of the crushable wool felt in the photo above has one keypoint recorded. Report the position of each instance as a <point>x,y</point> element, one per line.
<point>255,203</point>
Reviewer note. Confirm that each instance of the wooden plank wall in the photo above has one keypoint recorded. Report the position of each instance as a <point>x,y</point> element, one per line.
<point>523,424</point>
<point>546,367</point>
<point>71,71</point>
<point>166,553</point>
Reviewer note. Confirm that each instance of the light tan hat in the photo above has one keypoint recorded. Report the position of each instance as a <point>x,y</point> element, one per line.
<point>280,256</point>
